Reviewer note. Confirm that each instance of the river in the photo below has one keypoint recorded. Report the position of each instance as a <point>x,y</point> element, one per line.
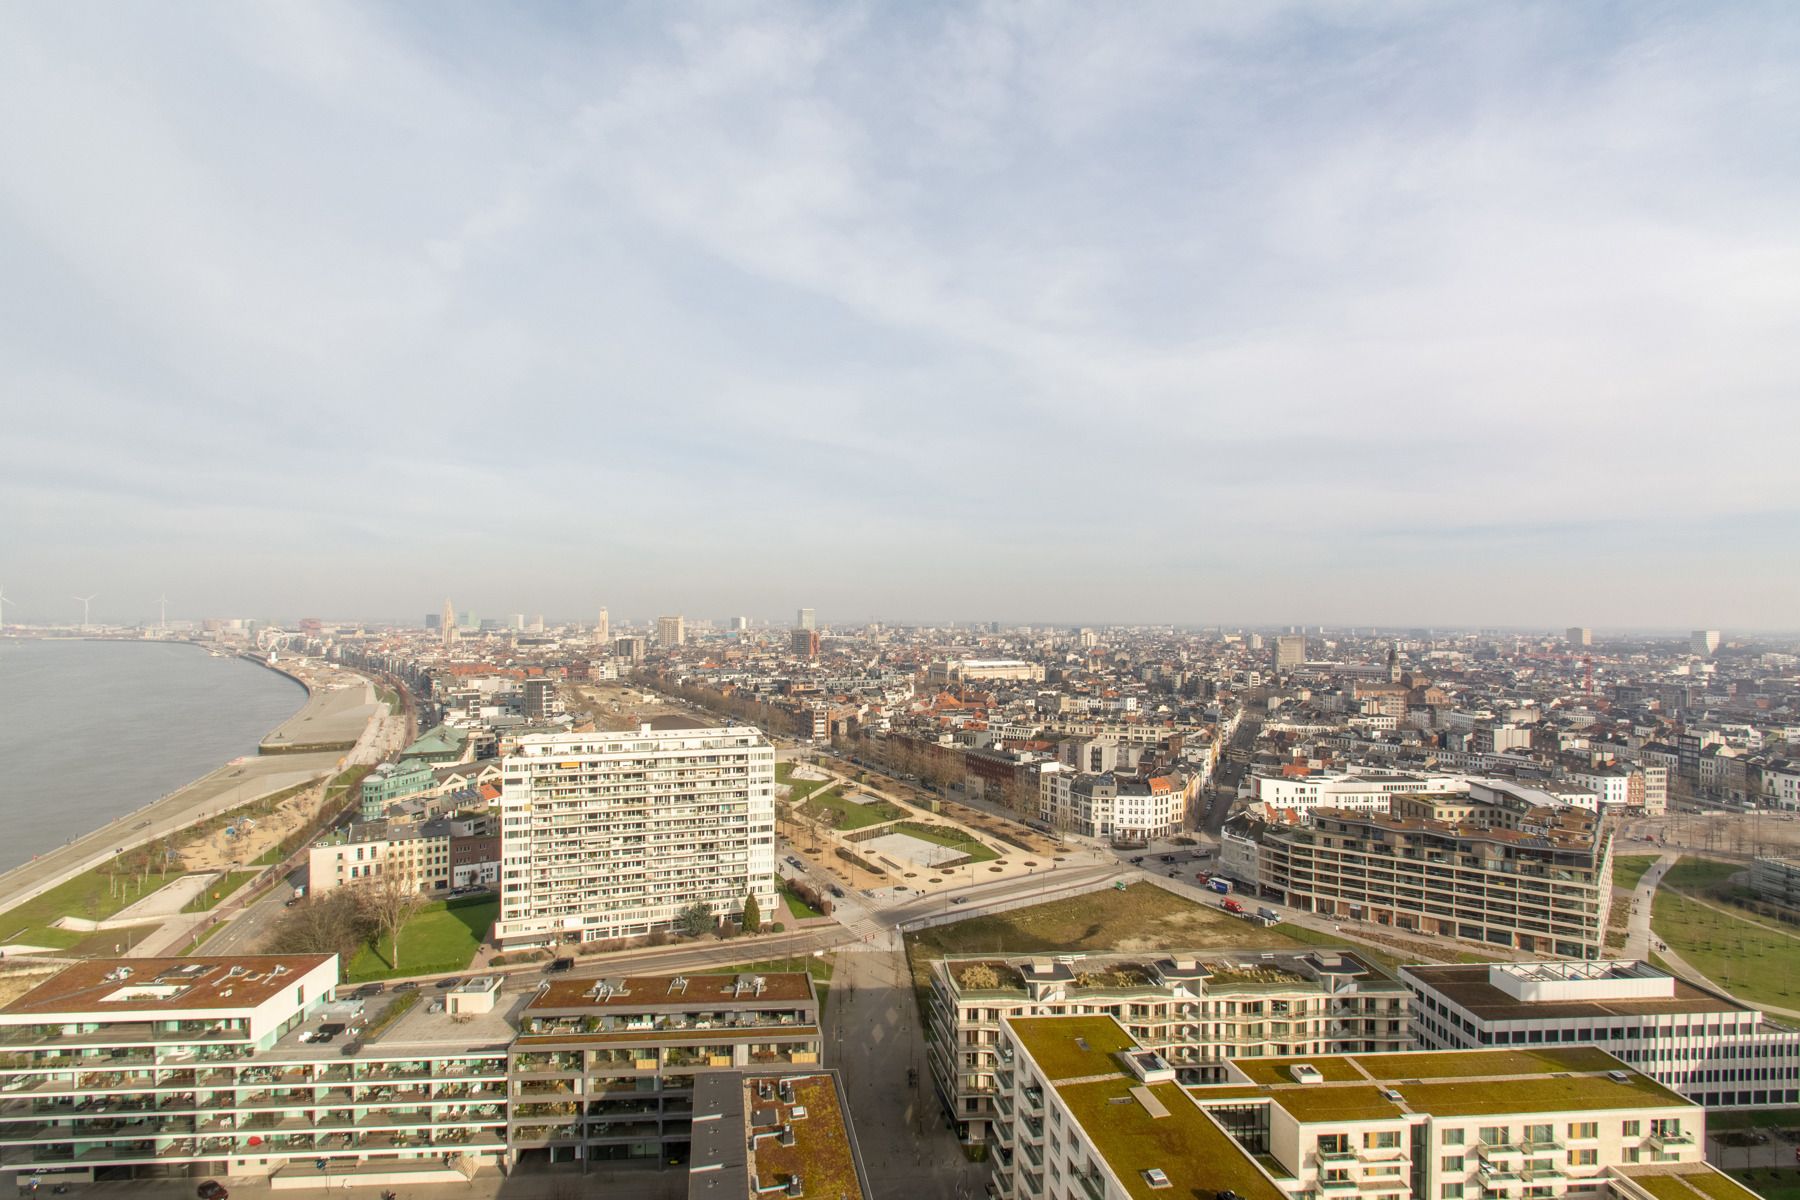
<point>90,731</point>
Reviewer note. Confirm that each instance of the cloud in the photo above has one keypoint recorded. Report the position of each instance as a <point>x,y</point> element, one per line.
<point>1019,310</point>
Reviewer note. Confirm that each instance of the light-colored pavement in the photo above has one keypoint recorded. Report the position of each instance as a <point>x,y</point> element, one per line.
<point>874,1040</point>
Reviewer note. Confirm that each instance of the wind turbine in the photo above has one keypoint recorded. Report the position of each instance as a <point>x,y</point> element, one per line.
<point>3,599</point>
<point>165,612</point>
<point>85,601</point>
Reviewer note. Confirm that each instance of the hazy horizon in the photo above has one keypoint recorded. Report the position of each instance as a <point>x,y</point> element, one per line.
<point>1405,315</point>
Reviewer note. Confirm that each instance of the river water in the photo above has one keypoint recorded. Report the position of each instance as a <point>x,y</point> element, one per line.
<point>90,731</point>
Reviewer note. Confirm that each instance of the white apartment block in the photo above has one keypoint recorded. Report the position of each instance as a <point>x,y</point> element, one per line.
<point>1700,1043</point>
<point>155,1067</point>
<point>610,834</point>
<point>1089,1114</point>
<point>1362,791</point>
<point>1196,1008</point>
<point>367,854</point>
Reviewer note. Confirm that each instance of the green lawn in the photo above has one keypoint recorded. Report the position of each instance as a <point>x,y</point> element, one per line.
<point>1754,962</point>
<point>954,839</point>
<point>221,888</point>
<point>830,808</point>
<point>92,895</point>
<point>797,908</point>
<point>800,788</point>
<point>441,937</point>
<point>1628,869</point>
<point>1701,874</point>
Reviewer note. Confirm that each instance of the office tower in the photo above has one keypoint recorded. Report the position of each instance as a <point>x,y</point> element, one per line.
<point>609,835</point>
<point>805,643</point>
<point>804,619</point>
<point>1705,641</point>
<point>740,624</point>
<point>449,620</point>
<point>603,628</point>
<point>671,631</point>
<point>518,623</point>
<point>1290,651</point>
<point>537,623</point>
<point>1578,635</point>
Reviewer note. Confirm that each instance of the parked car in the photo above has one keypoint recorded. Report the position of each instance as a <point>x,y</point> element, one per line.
<point>559,965</point>
<point>837,891</point>
<point>212,1189</point>
<point>410,985</point>
<point>959,899</point>
<point>444,985</point>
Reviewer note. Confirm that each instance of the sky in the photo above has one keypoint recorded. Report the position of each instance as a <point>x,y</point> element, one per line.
<point>1446,313</point>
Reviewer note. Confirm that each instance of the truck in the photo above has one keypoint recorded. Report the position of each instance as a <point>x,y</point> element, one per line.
<point>1232,906</point>
<point>1221,886</point>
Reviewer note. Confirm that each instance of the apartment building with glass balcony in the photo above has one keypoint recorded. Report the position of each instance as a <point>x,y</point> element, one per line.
<point>160,1067</point>
<point>607,1069</point>
<point>1532,879</point>
<point>1085,1111</point>
<point>610,835</point>
<point>1712,1049</point>
<point>1199,1009</point>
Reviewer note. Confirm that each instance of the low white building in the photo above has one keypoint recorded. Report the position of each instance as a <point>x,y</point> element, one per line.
<point>1366,791</point>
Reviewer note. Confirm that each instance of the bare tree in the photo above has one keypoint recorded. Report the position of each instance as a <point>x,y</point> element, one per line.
<point>390,900</point>
<point>331,923</point>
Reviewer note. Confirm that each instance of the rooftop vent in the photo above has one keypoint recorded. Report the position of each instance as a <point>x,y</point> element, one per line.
<point>1155,1178</point>
<point>786,1088</point>
<point>678,984</point>
<point>277,971</point>
<point>1306,1073</point>
<point>795,1186</point>
<point>1389,1094</point>
<point>117,974</point>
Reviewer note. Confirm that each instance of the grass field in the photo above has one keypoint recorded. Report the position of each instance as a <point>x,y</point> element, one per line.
<point>954,839</point>
<point>220,890</point>
<point>91,895</point>
<point>1753,962</point>
<point>1628,869</point>
<point>1701,875</point>
<point>830,808</point>
<point>441,937</point>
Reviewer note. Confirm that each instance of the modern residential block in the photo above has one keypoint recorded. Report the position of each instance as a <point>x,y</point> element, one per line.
<point>608,835</point>
<point>1199,1009</point>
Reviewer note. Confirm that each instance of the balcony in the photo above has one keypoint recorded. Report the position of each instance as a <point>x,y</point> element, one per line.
<point>1672,1140</point>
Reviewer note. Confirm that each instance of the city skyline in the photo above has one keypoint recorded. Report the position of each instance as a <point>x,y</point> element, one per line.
<point>1402,315</point>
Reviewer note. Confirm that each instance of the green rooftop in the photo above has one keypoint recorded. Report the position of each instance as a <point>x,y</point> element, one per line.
<point>1469,1064</point>
<point>1072,1047</point>
<point>1689,1181</point>
<point>1318,1102</point>
<point>1332,1068</point>
<point>1198,1156</point>
<point>1546,1094</point>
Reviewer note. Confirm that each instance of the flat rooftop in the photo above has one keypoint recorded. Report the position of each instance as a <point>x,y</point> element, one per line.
<point>213,983</point>
<point>1072,1047</point>
<point>1468,986</point>
<point>1193,1150</point>
<point>822,1155</point>
<point>1453,1083</point>
<point>671,992</point>
<point>1686,1181</point>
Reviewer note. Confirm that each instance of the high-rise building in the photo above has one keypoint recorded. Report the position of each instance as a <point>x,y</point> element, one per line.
<point>1705,641</point>
<point>609,835</point>
<point>449,622</point>
<point>740,624</point>
<point>1290,651</point>
<point>804,619</point>
<point>805,643</point>
<point>671,631</point>
<point>603,628</point>
<point>1578,635</point>
<point>518,623</point>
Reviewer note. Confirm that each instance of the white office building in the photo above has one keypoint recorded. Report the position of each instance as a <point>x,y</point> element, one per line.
<point>611,834</point>
<point>1705,1045</point>
<point>1366,791</point>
